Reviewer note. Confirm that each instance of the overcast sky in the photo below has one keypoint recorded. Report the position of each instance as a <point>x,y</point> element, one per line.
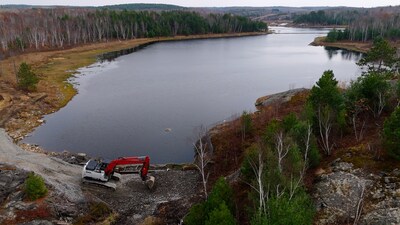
<point>199,3</point>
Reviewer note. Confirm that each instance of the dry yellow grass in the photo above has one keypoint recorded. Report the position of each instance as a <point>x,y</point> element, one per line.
<point>349,45</point>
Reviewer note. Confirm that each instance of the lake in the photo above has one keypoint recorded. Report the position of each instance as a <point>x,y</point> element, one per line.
<point>150,102</point>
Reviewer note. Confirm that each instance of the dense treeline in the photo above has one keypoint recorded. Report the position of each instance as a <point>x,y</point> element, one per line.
<point>367,29</point>
<point>60,27</point>
<point>142,6</point>
<point>322,17</point>
<point>363,24</point>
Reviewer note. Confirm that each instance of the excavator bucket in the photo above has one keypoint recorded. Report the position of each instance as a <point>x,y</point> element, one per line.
<point>150,182</point>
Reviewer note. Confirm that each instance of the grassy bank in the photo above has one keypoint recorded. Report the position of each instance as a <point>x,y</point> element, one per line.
<point>348,45</point>
<point>55,67</point>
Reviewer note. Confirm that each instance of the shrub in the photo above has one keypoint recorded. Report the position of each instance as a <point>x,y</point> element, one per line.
<point>196,215</point>
<point>27,79</point>
<point>297,211</point>
<point>221,216</point>
<point>35,187</point>
<point>221,192</point>
<point>298,130</point>
<point>201,214</point>
<point>398,90</point>
<point>98,211</point>
<point>372,87</point>
<point>246,123</point>
<point>391,134</point>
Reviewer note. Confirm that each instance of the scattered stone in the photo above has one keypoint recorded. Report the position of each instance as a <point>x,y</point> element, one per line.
<point>24,98</point>
<point>38,222</point>
<point>396,172</point>
<point>336,161</point>
<point>342,166</point>
<point>378,194</point>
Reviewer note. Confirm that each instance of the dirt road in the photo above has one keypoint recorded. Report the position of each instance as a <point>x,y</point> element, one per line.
<point>64,177</point>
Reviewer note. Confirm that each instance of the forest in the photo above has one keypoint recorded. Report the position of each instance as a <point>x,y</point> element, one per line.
<point>363,24</point>
<point>63,27</point>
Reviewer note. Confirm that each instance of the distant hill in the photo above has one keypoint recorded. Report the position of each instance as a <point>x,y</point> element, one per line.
<point>14,6</point>
<point>142,6</point>
<point>139,6</point>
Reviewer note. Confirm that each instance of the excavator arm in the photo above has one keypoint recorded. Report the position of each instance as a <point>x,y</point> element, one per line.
<point>143,160</point>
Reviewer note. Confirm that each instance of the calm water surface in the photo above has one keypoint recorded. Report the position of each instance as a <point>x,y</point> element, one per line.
<point>124,106</point>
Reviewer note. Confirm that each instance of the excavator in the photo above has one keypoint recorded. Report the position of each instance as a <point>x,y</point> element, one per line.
<point>101,172</point>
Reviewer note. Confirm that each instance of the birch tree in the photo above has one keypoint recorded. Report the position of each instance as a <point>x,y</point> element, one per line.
<point>203,149</point>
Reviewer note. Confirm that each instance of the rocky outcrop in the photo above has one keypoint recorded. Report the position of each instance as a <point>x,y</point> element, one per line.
<point>346,194</point>
<point>278,98</point>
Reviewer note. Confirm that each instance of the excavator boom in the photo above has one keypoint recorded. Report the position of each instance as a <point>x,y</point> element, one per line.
<point>143,160</point>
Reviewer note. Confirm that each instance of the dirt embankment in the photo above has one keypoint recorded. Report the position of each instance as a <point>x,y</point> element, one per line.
<point>362,47</point>
<point>356,46</point>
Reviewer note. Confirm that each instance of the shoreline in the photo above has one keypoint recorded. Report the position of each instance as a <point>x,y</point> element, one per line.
<point>23,112</point>
<point>347,45</point>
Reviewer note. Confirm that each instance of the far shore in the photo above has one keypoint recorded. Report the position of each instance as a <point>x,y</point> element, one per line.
<point>361,47</point>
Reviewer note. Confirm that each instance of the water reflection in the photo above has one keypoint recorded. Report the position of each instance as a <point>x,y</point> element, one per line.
<point>111,56</point>
<point>346,54</point>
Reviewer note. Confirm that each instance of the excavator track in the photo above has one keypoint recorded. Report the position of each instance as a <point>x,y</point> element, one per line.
<point>110,185</point>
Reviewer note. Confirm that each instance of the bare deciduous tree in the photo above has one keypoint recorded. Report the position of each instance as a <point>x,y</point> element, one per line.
<point>325,124</point>
<point>258,170</point>
<point>281,149</point>
<point>204,150</point>
<point>295,184</point>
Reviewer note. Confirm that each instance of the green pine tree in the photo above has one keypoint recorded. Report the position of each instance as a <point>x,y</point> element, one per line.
<point>26,78</point>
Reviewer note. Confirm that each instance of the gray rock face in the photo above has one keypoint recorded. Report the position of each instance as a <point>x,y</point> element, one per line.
<point>279,97</point>
<point>10,180</point>
<point>340,194</point>
<point>65,178</point>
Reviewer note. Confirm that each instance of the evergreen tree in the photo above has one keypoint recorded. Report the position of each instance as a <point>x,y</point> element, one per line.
<point>221,216</point>
<point>381,57</point>
<point>391,134</point>
<point>327,106</point>
<point>27,79</point>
